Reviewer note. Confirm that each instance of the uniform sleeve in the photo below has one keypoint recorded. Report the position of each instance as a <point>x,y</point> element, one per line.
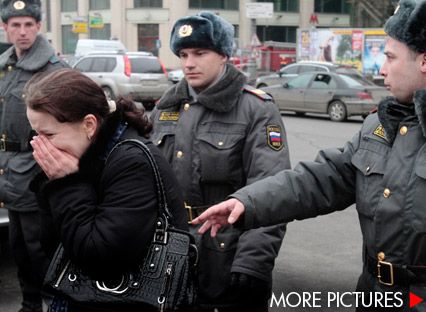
<point>313,188</point>
<point>107,229</point>
<point>265,153</point>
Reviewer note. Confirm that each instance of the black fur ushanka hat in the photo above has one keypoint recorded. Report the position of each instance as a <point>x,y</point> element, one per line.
<point>408,24</point>
<point>204,30</point>
<point>12,8</point>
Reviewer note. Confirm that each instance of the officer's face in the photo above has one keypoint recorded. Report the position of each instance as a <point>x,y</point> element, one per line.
<point>402,70</point>
<point>22,32</point>
<point>69,137</point>
<point>201,67</point>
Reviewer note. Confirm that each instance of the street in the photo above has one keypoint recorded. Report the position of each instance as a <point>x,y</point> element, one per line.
<point>318,255</point>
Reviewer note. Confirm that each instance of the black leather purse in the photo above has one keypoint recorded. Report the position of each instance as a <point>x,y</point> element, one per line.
<point>165,279</point>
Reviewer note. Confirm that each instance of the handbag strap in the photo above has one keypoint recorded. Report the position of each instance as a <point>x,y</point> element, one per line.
<point>161,193</point>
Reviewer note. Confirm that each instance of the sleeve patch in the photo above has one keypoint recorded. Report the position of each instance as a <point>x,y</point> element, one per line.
<point>274,138</point>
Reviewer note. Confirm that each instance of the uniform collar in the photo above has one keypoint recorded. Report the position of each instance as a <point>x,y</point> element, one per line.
<point>35,58</point>
<point>391,113</point>
<point>220,97</point>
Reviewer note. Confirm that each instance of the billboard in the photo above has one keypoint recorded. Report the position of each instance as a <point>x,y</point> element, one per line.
<point>361,48</point>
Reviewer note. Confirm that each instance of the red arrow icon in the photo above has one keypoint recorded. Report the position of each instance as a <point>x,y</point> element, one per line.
<point>414,300</point>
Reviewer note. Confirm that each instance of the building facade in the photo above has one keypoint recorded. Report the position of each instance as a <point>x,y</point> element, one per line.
<point>144,25</point>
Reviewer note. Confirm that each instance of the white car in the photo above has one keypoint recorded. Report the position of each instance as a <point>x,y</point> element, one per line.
<point>175,75</point>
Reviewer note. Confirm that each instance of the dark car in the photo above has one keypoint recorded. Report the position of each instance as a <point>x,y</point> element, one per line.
<point>293,70</point>
<point>338,95</point>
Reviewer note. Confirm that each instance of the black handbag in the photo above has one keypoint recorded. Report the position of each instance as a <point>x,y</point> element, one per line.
<point>165,279</point>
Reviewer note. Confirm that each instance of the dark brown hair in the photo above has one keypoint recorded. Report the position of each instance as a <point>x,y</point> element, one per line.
<point>69,96</point>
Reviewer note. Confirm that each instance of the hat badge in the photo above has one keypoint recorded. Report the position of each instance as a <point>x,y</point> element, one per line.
<point>185,31</point>
<point>19,5</point>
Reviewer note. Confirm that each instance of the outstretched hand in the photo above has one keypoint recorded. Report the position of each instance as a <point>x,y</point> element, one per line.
<point>224,213</point>
<point>54,162</point>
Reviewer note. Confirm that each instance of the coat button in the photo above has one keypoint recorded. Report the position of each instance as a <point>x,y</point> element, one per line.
<point>158,142</point>
<point>386,193</point>
<point>9,68</point>
<point>367,169</point>
<point>1,172</point>
<point>381,256</point>
<point>222,245</point>
<point>2,205</point>
<point>186,107</point>
<point>179,154</point>
<point>220,143</point>
<point>403,130</point>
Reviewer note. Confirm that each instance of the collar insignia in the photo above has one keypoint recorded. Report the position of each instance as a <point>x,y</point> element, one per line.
<point>169,116</point>
<point>185,31</point>
<point>273,133</point>
<point>19,5</point>
<point>380,132</point>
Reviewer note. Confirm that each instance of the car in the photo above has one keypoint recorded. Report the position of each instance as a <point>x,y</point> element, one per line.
<point>138,74</point>
<point>293,70</point>
<point>338,95</point>
<point>176,75</point>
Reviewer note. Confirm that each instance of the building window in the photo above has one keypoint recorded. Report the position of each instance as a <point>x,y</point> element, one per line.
<point>69,5</point>
<point>214,4</point>
<point>148,39</point>
<point>69,40</point>
<point>101,33</point>
<point>332,6</point>
<point>99,4</point>
<point>284,5</point>
<point>276,33</point>
<point>148,3</point>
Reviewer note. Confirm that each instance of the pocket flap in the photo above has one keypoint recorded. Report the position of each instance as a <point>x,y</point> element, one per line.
<point>368,162</point>
<point>220,141</point>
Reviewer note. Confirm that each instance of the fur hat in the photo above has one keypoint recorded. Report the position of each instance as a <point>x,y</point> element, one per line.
<point>12,8</point>
<point>408,24</point>
<point>204,30</point>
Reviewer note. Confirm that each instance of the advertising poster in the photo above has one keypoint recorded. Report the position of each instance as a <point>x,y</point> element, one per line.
<point>374,56</point>
<point>344,46</point>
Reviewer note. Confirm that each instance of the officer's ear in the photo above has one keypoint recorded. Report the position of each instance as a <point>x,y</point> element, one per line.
<point>423,62</point>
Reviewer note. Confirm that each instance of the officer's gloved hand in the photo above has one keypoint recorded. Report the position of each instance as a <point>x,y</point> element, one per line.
<point>246,287</point>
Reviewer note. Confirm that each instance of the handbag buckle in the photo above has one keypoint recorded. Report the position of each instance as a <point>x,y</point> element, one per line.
<point>160,235</point>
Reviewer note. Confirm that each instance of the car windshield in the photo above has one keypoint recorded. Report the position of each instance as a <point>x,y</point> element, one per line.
<point>348,70</point>
<point>355,81</point>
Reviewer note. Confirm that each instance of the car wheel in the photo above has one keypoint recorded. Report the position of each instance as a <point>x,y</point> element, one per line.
<point>337,111</point>
<point>108,93</point>
<point>262,85</point>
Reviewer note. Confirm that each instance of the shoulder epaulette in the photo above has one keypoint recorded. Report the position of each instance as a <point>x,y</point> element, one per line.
<point>257,92</point>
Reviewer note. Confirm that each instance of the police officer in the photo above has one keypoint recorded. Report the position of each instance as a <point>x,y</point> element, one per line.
<point>30,53</point>
<point>382,169</point>
<point>219,135</point>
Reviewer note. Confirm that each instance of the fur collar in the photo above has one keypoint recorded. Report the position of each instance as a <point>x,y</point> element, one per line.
<point>34,59</point>
<point>221,97</point>
<point>391,113</point>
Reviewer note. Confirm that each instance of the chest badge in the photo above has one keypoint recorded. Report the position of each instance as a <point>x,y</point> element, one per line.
<point>380,132</point>
<point>274,138</point>
<point>169,116</point>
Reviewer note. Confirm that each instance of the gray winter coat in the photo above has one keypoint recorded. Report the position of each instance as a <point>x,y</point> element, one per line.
<point>383,170</point>
<point>230,137</point>
<point>17,166</point>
